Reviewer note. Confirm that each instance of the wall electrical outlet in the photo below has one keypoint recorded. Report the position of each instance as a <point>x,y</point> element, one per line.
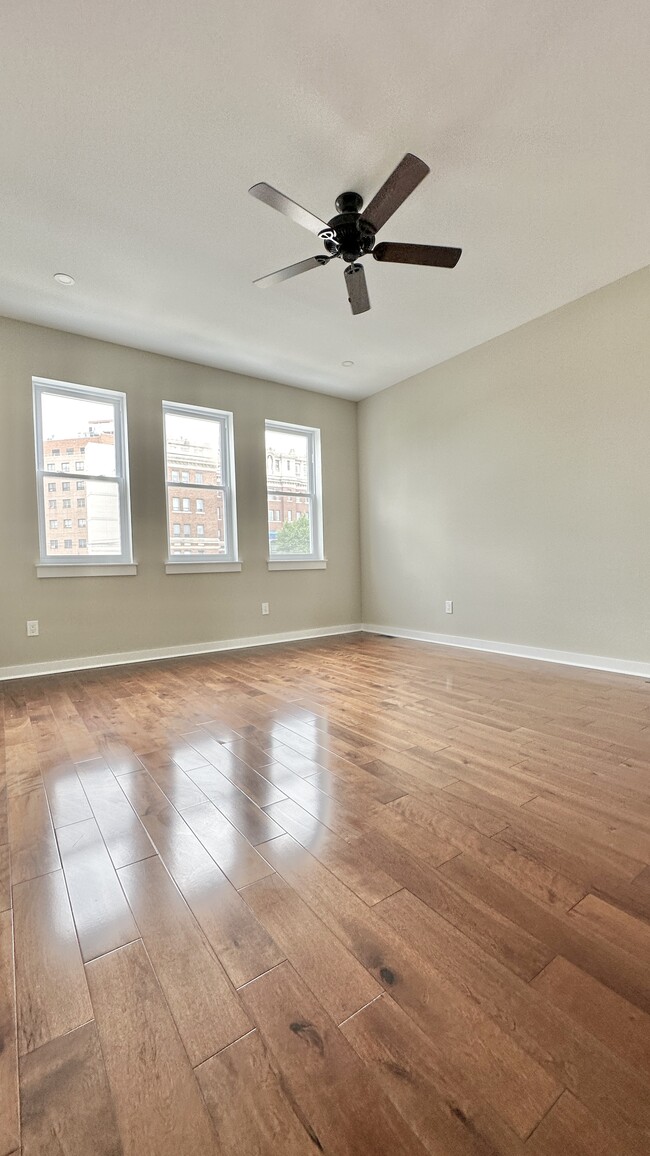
<point>32,628</point>
<point>449,607</point>
<point>265,608</point>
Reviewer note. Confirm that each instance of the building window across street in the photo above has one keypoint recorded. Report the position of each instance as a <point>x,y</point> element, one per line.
<point>199,473</point>
<point>293,483</point>
<point>88,425</point>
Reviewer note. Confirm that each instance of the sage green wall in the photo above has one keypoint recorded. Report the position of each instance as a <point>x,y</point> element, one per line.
<point>515,480</point>
<point>93,616</point>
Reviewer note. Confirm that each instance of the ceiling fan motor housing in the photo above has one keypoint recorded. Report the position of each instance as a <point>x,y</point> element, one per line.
<point>349,235</point>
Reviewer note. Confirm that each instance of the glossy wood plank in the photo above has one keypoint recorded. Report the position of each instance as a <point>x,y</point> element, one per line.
<point>238,860</point>
<point>158,1104</point>
<point>119,756</point>
<point>31,836</point>
<point>571,1056</point>
<point>623,1028</point>
<point>176,785</point>
<point>65,795</point>
<point>506,941</point>
<point>323,1074</point>
<point>344,776</point>
<point>144,794</point>
<point>9,1106</point>
<point>250,753</point>
<point>336,978</point>
<point>352,863</point>
<point>5,877</point>
<point>419,841</point>
<point>421,1079</point>
<point>608,922</point>
<point>101,913</point>
<point>245,815</point>
<point>66,1102</point>
<point>123,833</point>
<point>51,991</point>
<point>599,958</point>
<point>623,837</point>
<point>242,945</point>
<point>205,1007</point>
<point>498,1064</point>
<point>242,1088</point>
<point>548,886</point>
<point>570,1129</point>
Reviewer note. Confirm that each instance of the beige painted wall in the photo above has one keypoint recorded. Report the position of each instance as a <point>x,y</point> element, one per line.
<point>515,480</point>
<point>91,616</point>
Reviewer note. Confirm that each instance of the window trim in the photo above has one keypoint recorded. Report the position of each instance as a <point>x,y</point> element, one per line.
<point>84,562</point>
<point>205,563</point>
<point>316,560</point>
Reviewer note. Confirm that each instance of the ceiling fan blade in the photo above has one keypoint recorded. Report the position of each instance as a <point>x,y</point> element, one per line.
<point>355,281</point>
<point>400,184</point>
<point>291,271</point>
<point>440,255</point>
<point>285,205</point>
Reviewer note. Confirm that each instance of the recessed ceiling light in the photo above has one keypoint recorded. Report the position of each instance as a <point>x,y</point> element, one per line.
<point>346,363</point>
<point>64,279</point>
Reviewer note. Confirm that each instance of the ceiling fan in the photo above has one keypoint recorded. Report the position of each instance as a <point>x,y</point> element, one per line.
<point>350,235</point>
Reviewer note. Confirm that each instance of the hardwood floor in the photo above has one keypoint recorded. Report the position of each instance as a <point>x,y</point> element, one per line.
<point>360,896</point>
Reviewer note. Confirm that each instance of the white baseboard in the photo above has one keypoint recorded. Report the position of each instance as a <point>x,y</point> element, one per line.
<point>564,657</point>
<point>124,658</point>
<point>61,665</point>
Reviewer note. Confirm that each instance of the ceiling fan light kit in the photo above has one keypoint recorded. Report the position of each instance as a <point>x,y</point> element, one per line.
<point>351,234</point>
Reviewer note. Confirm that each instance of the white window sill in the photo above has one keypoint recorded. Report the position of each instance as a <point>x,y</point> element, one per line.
<point>202,567</point>
<point>296,563</point>
<point>81,570</point>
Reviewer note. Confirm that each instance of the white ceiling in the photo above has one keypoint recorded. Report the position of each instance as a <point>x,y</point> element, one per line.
<point>131,131</point>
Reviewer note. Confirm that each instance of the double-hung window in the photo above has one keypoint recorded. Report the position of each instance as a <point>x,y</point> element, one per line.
<point>293,484</point>
<point>200,480</point>
<point>88,425</point>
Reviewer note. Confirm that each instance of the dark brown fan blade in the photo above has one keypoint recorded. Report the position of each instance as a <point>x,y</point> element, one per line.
<point>400,184</point>
<point>438,255</point>
<point>285,205</point>
<point>355,280</point>
<point>291,271</point>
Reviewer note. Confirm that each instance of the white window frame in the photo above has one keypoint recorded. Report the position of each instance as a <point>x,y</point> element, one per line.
<point>87,565</point>
<point>206,563</point>
<point>316,560</point>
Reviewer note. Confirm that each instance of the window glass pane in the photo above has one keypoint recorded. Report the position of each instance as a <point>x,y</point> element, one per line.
<point>289,524</point>
<point>193,449</point>
<point>199,534</point>
<point>287,457</point>
<point>79,427</point>
<point>97,532</point>
<point>103,529</point>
